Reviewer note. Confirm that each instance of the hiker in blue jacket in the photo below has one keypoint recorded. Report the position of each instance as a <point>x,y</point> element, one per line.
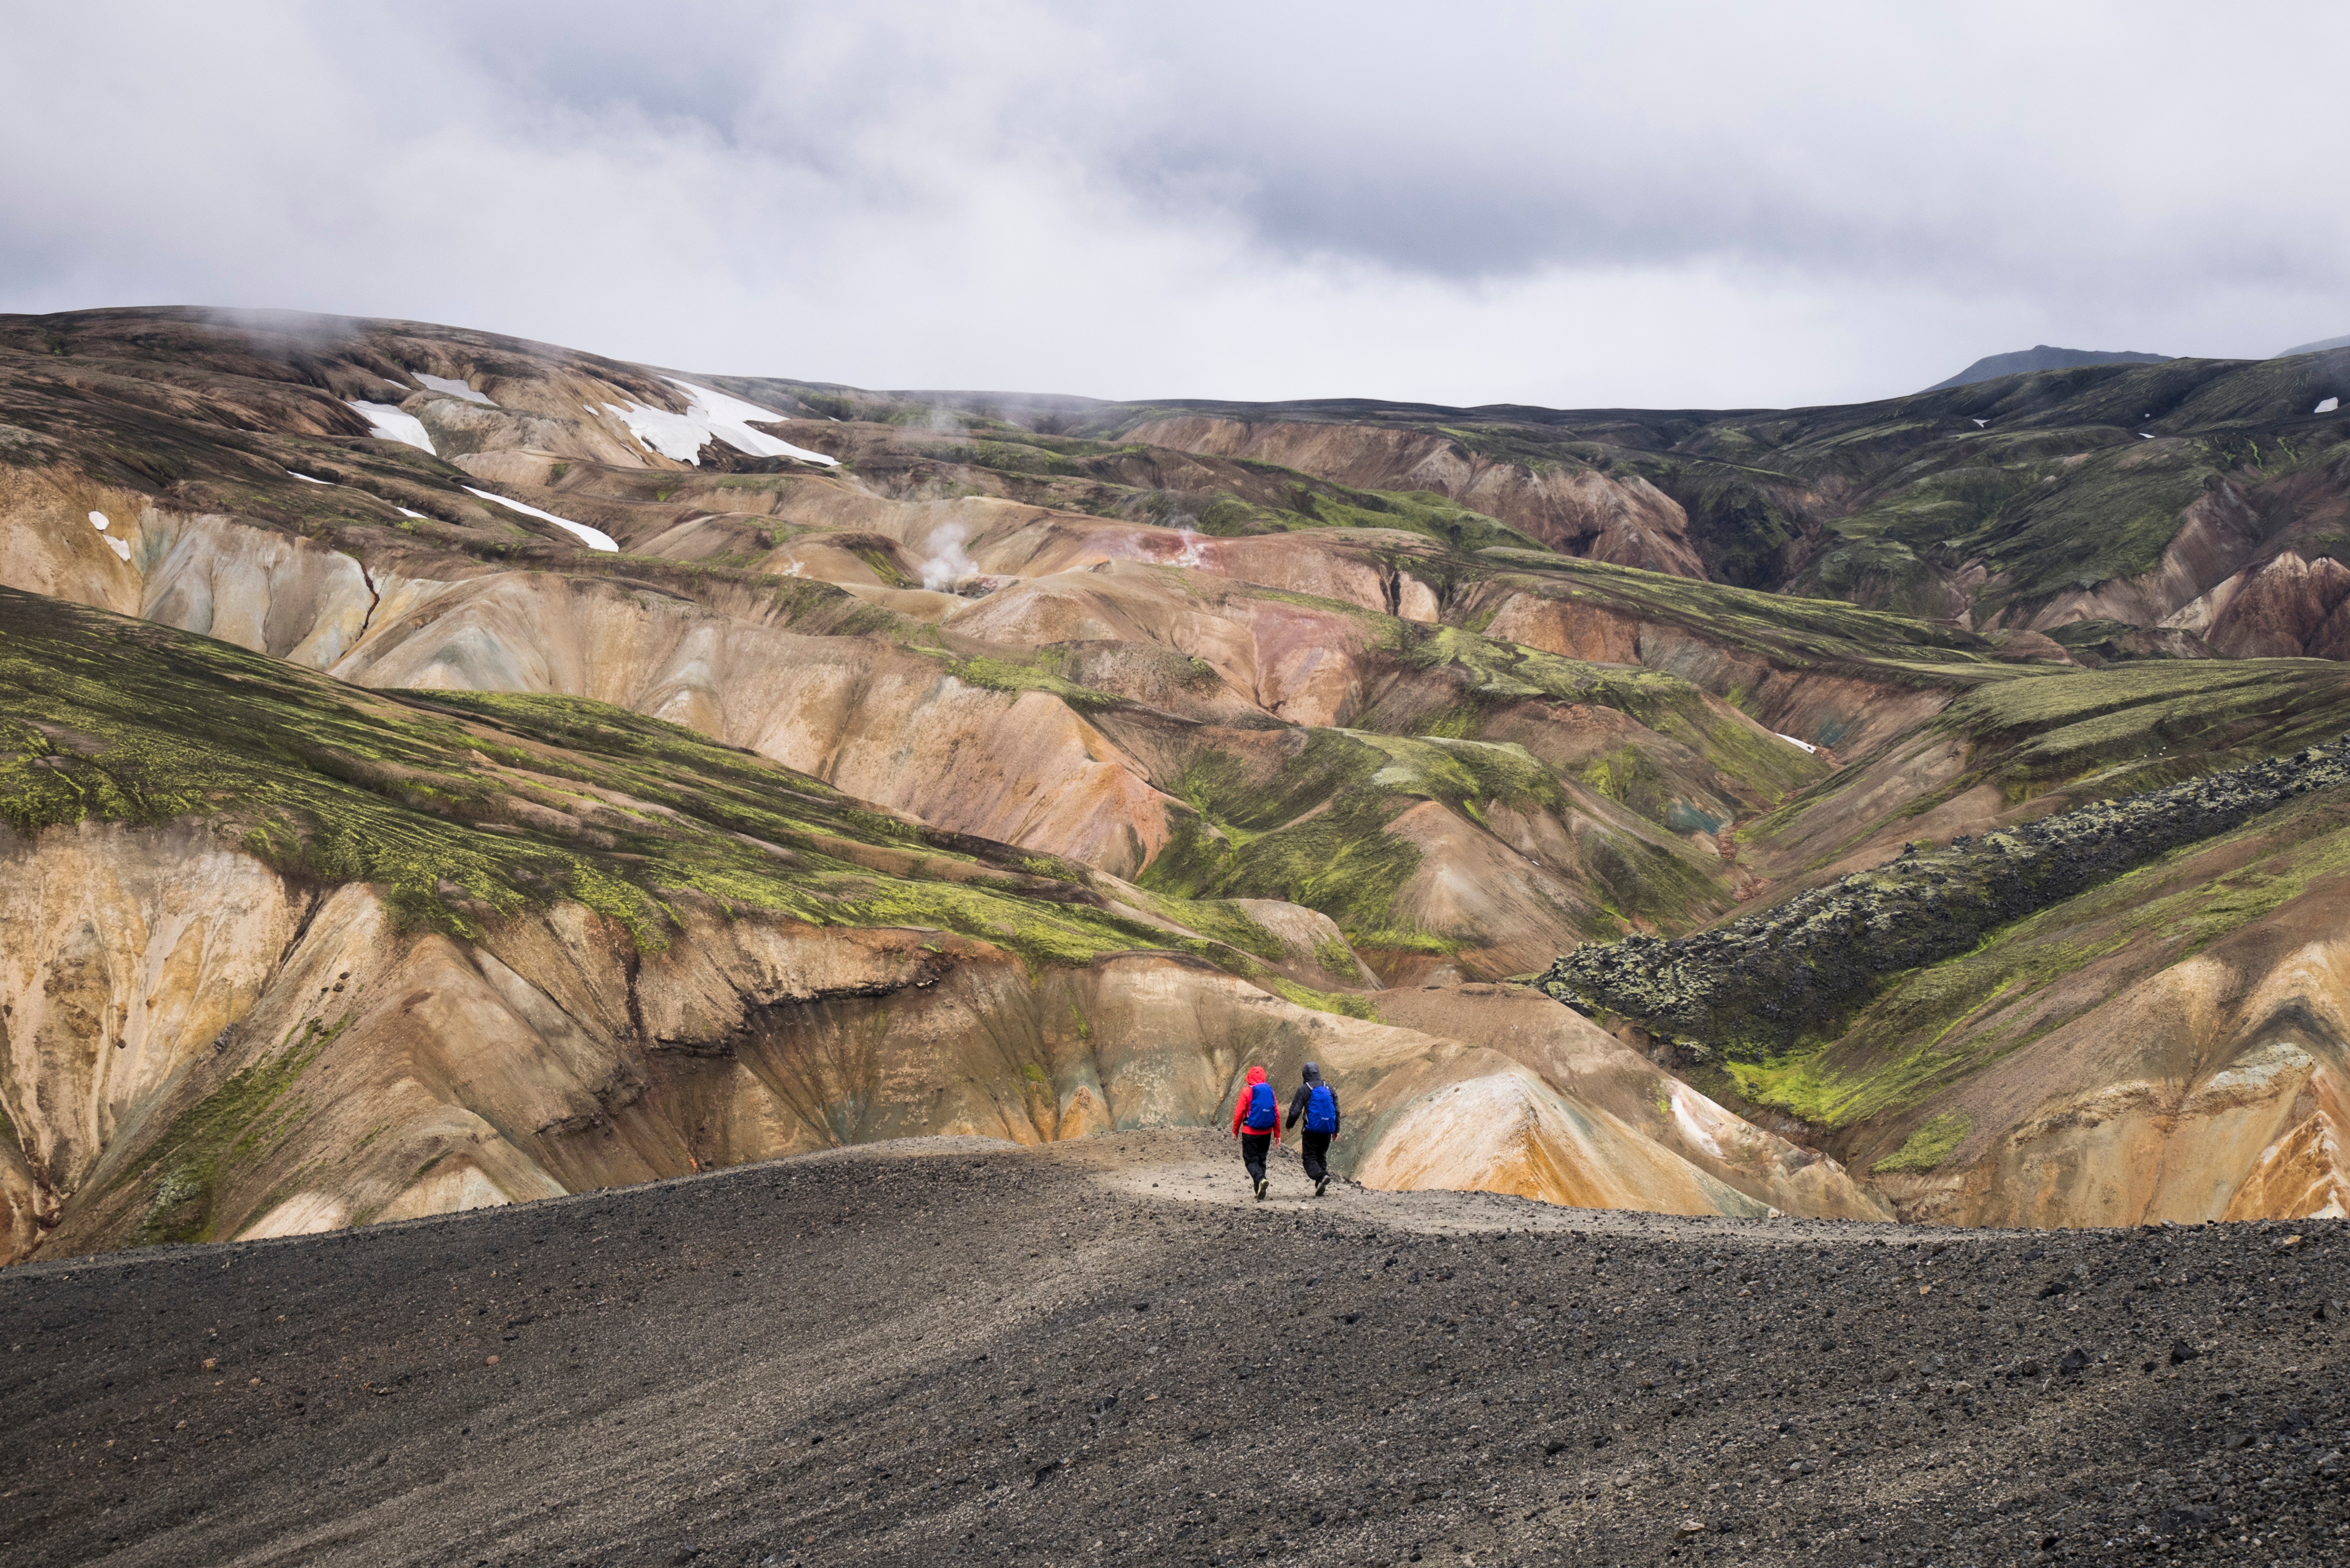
<point>1317,1101</point>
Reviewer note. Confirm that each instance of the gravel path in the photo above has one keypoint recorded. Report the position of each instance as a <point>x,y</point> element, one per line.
<point>957,1351</point>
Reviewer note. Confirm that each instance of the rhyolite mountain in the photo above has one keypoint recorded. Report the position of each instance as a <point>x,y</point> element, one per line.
<point>442,770</point>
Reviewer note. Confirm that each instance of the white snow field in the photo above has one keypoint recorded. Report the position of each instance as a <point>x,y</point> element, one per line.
<point>596,538</point>
<point>1793,742</point>
<point>708,415</point>
<point>455,388</point>
<point>392,425</point>
<point>2327,407</point>
<point>307,479</point>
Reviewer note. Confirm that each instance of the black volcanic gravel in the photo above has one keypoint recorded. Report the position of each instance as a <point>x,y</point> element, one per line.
<point>973,1354</point>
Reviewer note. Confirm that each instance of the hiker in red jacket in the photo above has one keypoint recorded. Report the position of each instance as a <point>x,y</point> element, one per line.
<point>1256,1122</point>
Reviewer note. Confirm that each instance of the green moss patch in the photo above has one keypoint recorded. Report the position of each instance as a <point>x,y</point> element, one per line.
<point>1345,1003</point>
<point>469,808</point>
<point>1928,1147</point>
<point>236,1122</point>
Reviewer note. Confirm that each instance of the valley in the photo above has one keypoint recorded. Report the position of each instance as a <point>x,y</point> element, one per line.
<point>442,771</point>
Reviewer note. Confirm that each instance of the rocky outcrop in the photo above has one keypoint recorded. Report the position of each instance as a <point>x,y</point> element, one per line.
<point>1763,982</point>
<point>2284,607</point>
<point>1831,708</point>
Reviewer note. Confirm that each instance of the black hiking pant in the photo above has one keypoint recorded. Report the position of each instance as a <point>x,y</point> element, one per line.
<point>1316,1152</point>
<point>1255,1146</point>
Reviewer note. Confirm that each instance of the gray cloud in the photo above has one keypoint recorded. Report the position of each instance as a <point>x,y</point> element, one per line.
<point>1702,205</point>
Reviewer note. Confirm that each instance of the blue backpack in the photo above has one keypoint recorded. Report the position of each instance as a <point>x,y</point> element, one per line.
<point>1321,1109</point>
<point>1262,1111</point>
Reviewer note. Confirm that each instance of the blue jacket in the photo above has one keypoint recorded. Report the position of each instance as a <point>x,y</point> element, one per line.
<point>1297,1105</point>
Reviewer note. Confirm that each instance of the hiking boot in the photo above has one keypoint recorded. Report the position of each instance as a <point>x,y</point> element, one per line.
<point>1320,1186</point>
<point>1261,1184</point>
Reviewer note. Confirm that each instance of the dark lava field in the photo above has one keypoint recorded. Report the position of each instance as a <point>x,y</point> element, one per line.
<point>957,1351</point>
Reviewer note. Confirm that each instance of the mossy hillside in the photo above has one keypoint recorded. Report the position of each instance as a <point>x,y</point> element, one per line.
<point>1345,1003</point>
<point>1414,511</point>
<point>804,604</point>
<point>229,1127</point>
<point>2139,726</point>
<point>2046,471</point>
<point>2099,643</point>
<point>2181,395</point>
<point>1744,510</point>
<point>1768,985</point>
<point>468,808</point>
<point>2110,516</point>
<point>2079,734</point>
<point>1797,633</point>
<point>1015,675</point>
<point>1313,831</point>
<point>1313,503</point>
<point>1258,497</point>
<point>1499,675</point>
<point>1937,1026</point>
<point>1877,573</point>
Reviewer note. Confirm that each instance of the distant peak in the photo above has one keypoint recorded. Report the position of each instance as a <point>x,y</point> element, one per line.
<point>2042,357</point>
<point>2319,347</point>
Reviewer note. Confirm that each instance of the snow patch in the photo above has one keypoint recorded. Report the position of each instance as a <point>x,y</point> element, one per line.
<point>2327,407</point>
<point>404,512</point>
<point>709,416</point>
<point>455,388</point>
<point>307,479</point>
<point>122,547</point>
<point>2144,436</point>
<point>390,424</point>
<point>1979,423</point>
<point>595,537</point>
<point>1793,742</point>
<point>947,561</point>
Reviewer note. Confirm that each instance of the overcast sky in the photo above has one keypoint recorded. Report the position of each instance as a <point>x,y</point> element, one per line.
<point>1651,205</point>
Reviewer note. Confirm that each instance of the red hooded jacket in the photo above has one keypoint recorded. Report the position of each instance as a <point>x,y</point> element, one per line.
<point>1240,1107</point>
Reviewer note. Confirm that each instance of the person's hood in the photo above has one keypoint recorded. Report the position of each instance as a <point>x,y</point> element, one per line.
<point>1256,1076</point>
<point>1313,1073</point>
